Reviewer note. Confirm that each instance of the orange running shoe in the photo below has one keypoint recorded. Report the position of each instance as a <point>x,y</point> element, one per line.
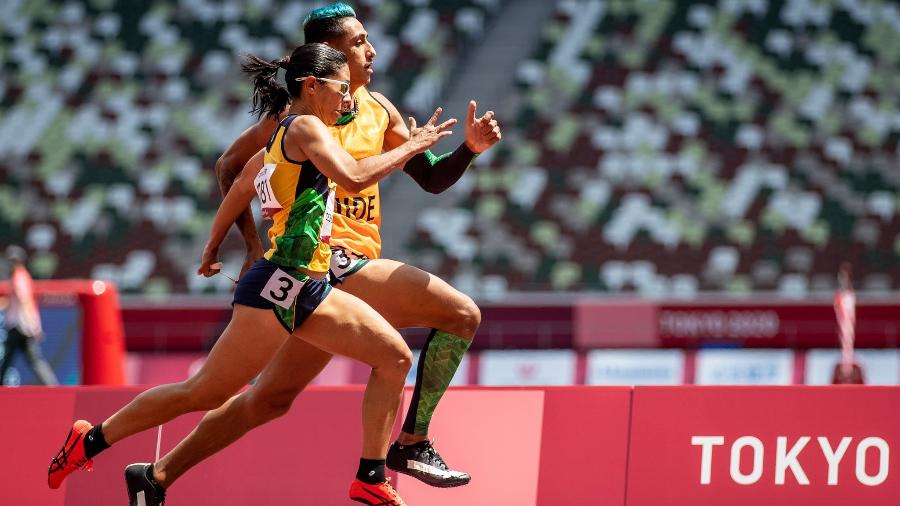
<point>381,494</point>
<point>71,456</point>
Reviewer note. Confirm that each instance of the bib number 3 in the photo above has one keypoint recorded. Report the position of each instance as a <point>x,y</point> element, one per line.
<point>281,289</point>
<point>342,261</point>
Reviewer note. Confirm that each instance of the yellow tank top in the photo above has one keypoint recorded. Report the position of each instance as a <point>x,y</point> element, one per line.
<point>300,200</point>
<point>357,216</point>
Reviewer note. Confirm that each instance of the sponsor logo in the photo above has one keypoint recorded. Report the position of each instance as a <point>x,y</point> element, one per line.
<point>734,324</point>
<point>425,468</point>
<point>786,459</point>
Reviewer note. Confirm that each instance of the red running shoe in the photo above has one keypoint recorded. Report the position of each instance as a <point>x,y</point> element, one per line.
<point>381,494</point>
<point>71,456</point>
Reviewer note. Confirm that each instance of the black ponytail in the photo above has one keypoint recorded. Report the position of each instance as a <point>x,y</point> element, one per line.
<point>271,97</point>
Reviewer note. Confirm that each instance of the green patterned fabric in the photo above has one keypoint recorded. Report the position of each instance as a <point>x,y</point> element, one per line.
<point>300,239</point>
<point>438,363</point>
<point>298,243</point>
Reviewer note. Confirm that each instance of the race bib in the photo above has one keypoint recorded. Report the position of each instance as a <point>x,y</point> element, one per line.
<point>282,289</point>
<point>263,183</point>
<point>343,261</point>
<point>328,220</point>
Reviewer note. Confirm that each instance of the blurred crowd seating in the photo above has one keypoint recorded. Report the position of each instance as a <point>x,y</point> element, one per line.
<point>666,148</point>
<point>661,147</point>
<point>112,114</point>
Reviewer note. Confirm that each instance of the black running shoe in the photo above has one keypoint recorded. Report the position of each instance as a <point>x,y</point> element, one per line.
<point>423,462</point>
<point>143,490</point>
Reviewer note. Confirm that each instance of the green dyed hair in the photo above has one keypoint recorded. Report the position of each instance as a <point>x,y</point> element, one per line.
<point>326,23</point>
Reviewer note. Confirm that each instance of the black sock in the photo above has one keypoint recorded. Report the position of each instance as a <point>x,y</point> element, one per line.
<point>94,442</point>
<point>371,471</point>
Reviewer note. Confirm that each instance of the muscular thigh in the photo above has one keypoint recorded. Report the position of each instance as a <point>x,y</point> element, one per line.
<point>294,366</point>
<point>407,296</point>
<point>246,345</point>
<point>345,325</point>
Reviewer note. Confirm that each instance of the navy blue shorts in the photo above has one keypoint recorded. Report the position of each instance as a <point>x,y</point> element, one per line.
<point>291,294</point>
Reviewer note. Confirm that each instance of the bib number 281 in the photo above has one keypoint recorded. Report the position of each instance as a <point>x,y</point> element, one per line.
<point>263,184</point>
<point>282,289</point>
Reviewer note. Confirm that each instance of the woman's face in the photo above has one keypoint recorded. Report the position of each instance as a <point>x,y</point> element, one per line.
<point>333,95</point>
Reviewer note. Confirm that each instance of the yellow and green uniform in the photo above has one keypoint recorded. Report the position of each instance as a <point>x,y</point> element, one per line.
<point>357,216</point>
<point>300,200</point>
<point>301,229</point>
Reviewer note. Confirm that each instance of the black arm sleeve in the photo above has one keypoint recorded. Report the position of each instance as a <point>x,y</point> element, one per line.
<point>437,173</point>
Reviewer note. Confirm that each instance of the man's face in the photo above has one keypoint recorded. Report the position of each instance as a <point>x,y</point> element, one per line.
<point>354,43</point>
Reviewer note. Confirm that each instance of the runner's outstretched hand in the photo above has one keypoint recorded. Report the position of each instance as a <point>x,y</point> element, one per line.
<point>427,135</point>
<point>483,132</point>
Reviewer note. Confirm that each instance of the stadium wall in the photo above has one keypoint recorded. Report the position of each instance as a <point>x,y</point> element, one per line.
<point>581,323</point>
<point>542,446</point>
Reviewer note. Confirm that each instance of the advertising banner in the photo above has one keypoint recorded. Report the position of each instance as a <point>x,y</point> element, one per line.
<point>879,367</point>
<point>572,446</point>
<point>542,367</point>
<point>755,324</point>
<point>635,367</point>
<point>764,445</point>
<point>744,367</point>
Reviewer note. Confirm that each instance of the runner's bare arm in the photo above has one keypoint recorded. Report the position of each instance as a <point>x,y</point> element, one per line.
<point>314,140</point>
<point>230,164</point>
<point>236,201</point>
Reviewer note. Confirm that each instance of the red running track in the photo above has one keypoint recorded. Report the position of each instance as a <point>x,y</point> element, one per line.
<point>549,446</point>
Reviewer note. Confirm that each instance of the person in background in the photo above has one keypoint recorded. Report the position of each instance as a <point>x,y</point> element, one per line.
<point>23,322</point>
